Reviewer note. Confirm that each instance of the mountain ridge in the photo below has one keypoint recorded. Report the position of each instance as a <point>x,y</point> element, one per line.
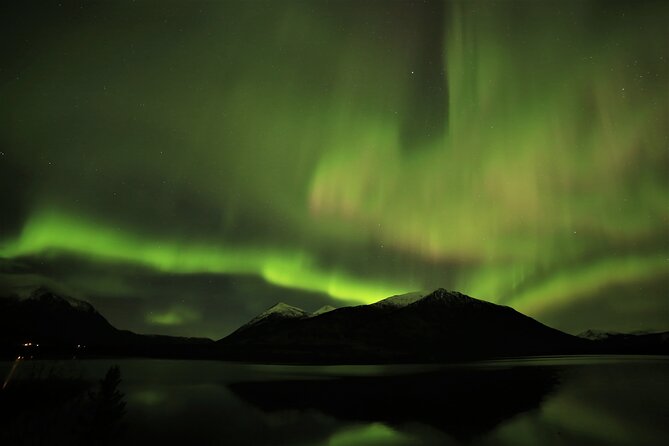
<point>53,325</point>
<point>440,326</point>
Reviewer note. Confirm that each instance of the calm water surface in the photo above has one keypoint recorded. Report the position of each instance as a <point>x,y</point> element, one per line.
<point>549,401</point>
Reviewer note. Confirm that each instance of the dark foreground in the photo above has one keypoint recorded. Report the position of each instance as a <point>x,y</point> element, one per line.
<point>555,400</point>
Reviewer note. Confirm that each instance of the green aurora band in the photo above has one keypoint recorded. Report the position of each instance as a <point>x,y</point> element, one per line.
<point>53,233</point>
<point>531,170</point>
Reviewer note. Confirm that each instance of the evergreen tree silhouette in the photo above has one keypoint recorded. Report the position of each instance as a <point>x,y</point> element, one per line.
<point>106,409</point>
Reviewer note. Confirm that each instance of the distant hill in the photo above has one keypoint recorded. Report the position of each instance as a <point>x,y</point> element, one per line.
<point>49,324</point>
<point>53,319</point>
<point>440,326</point>
<point>639,342</point>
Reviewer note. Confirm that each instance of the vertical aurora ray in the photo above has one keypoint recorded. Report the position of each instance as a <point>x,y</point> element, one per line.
<point>539,166</point>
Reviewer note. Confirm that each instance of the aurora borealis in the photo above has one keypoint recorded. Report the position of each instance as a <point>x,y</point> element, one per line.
<point>184,165</point>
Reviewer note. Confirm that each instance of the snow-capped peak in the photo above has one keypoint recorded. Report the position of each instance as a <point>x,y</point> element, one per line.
<point>280,310</point>
<point>45,295</point>
<point>447,298</point>
<point>597,335</point>
<point>440,295</point>
<point>284,310</point>
<point>323,309</point>
<point>400,300</point>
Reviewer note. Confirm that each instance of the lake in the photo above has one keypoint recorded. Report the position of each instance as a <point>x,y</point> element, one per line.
<point>579,400</point>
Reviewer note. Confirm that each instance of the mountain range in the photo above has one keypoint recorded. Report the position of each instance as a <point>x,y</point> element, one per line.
<point>440,326</point>
<point>49,324</point>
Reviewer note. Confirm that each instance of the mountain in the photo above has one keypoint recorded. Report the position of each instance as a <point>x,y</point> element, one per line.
<point>276,313</point>
<point>50,324</point>
<point>596,335</point>
<point>440,326</point>
<point>275,318</point>
<point>322,310</point>
<point>639,342</point>
<point>47,317</point>
<point>400,300</point>
<point>271,319</point>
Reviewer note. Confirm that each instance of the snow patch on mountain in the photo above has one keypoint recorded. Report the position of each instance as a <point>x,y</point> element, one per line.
<point>322,310</point>
<point>280,310</point>
<point>452,297</point>
<point>45,295</point>
<point>600,335</point>
<point>400,300</point>
<point>596,335</point>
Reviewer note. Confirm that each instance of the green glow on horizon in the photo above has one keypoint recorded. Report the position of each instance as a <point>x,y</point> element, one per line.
<point>368,435</point>
<point>177,315</point>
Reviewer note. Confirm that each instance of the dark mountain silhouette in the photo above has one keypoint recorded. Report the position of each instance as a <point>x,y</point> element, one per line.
<point>271,319</point>
<point>636,342</point>
<point>440,326</point>
<point>275,318</point>
<point>50,318</point>
<point>49,324</point>
<point>464,403</point>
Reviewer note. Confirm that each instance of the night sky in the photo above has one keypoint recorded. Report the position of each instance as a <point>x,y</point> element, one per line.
<point>185,165</point>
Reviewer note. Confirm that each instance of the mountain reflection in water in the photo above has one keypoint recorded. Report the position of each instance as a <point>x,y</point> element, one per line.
<point>463,403</point>
<point>603,400</point>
